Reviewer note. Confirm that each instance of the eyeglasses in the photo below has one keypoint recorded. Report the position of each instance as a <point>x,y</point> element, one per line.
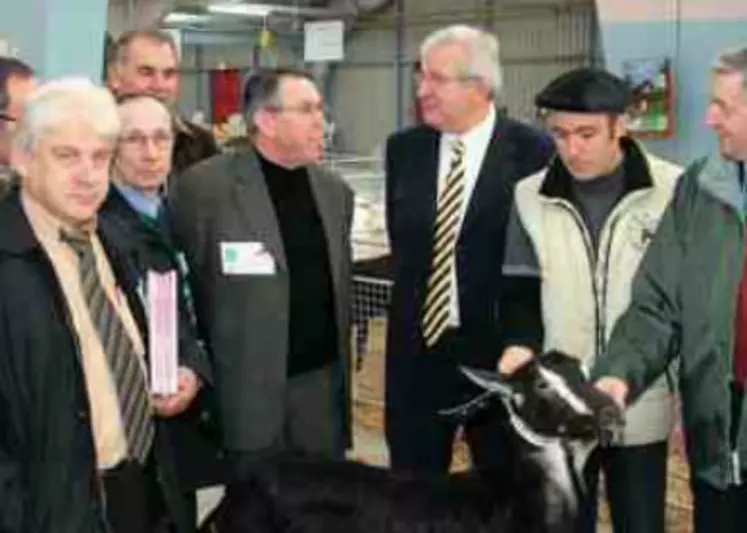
<point>307,108</point>
<point>161,139</point>
<point>437,79</point>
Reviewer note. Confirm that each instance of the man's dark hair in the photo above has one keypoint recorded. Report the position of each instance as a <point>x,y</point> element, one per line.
<point>11,67</point>
<point>262,89</point>
<point>122,44</point>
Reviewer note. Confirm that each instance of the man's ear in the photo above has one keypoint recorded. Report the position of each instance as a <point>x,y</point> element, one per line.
<point>619,125</point>
<point>113,81</point>
<point>265,120</point>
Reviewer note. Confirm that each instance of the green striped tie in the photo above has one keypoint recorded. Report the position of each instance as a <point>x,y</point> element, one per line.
<point>124,363</point>
<point>448,214</point>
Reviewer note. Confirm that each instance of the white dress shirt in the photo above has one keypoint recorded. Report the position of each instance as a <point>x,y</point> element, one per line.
<point>476,143</point>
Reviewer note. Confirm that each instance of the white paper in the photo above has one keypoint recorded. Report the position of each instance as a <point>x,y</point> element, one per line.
<point>324,40</point>
<point>161,292</point>
<point>246,258</point>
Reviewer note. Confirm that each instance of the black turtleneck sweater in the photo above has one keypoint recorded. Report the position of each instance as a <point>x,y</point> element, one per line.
<point>312,330</point>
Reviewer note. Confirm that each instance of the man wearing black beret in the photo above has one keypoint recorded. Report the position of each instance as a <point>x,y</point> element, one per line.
<point>576,235</point>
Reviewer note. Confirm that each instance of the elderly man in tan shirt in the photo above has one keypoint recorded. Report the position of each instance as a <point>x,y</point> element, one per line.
<point>81,448</point>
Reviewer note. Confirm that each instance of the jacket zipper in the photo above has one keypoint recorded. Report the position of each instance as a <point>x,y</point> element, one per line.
<point>600,296</point>
<point>591,257</point>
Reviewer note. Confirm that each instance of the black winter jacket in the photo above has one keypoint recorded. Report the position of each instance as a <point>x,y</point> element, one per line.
<point>48,476</point>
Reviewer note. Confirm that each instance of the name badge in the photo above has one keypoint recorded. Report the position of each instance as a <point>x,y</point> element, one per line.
<point>246,258</point>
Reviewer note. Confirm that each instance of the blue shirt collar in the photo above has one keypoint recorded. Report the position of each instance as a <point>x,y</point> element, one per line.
<point>146,205</point>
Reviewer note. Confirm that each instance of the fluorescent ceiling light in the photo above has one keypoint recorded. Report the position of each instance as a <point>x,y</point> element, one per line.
<point>246,10</point>
<point>177,17</point>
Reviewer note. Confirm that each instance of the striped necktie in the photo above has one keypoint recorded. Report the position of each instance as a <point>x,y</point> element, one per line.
<point>124,363</point>
<point>448,213</point>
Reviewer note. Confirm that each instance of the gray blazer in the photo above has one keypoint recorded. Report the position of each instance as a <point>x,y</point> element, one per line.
<point>244,317</point>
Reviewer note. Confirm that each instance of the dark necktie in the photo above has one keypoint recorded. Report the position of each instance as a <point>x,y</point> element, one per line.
<point>124,363</point>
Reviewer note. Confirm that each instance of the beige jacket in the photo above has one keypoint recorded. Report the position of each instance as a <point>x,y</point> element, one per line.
<point>581,301</point>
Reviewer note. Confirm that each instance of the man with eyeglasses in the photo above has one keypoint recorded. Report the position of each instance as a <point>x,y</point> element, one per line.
<point>266,232</point>
<point>16,83</point>
<point>82,446</point>
<point>136,206</point>
<point>449,186</point>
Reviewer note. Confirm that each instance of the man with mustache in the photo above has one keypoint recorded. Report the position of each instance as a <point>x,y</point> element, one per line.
<point>146,61</point>
<point>265,230</point>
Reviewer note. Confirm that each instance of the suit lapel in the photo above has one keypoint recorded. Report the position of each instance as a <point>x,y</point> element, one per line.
<point>490,180</point>
<point>255,203</point>
<point>429,159</point>
<point>329,206</point>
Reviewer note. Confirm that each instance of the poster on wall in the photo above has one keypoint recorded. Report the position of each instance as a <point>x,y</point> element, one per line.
<point>324,40</point>
<point>651,79</point>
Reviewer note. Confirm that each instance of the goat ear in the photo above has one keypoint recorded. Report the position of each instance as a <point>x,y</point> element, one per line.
<point>490,381</point>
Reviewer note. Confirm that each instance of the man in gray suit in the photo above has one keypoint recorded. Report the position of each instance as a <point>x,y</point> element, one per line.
<point>266,232</point>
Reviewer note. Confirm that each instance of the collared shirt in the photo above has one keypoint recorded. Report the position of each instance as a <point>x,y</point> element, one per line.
<point>476,142</point>
<point>108,432</point>
<point>145,204</point>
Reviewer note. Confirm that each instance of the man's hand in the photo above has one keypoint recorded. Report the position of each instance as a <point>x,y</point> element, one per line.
<point>615,388</point>
<point>513,358</point>
<point>188,384</point>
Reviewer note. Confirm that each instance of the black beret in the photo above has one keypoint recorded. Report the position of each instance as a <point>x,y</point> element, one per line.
<point>586,90</point>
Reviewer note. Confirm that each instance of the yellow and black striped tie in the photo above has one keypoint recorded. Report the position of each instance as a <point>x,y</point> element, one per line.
<point>446,231</point>
<point>127,372</point>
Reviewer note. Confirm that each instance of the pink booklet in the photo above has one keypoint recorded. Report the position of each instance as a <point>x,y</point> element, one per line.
<point>161,292</point>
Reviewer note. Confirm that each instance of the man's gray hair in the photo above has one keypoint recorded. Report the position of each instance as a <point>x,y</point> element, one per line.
<point>66,101</point>
<point>733,61</point>
<point>482,51</point>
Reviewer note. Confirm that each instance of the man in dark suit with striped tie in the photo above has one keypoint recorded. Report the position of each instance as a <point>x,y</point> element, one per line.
<point>449,186</point>
<point>81,447</point>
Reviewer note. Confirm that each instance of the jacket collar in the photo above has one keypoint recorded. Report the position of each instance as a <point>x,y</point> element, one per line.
<point>637,174</point>
<point>17,237</point>
<point>719,178</point>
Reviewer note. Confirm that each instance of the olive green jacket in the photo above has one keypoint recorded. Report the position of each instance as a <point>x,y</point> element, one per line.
<point>683,305</point>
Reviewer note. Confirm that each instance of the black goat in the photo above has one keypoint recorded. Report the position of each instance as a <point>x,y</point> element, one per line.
<point>556,419</point>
